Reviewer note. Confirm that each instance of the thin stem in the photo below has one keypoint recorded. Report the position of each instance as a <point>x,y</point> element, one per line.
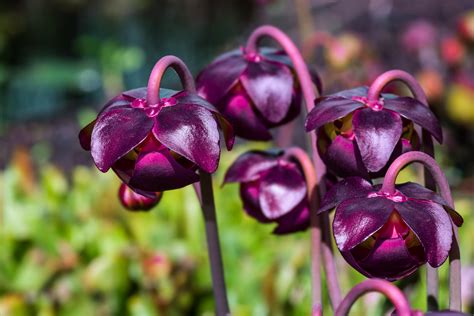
<point>443,187</point>
<point>309,94</point>
<point>206,198</point>
<point>153,88</point>
<point>375,285</point>
<point>396,75</point>
<point>388,185</point>
<point>204,191</point>
<point>432,278</point>
<point>304,161</point>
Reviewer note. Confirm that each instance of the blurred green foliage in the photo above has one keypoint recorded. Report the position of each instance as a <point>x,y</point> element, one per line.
<point>69,248</point>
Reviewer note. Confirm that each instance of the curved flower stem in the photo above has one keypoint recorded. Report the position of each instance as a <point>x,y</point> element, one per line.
<point>204,191</point>
<point>443,187</point>
<point>154,81</point>
<point>388,185</point>
<point>304,161</point>
<point>309,94</point>
<point>427,141</point>
<point>375,285</point>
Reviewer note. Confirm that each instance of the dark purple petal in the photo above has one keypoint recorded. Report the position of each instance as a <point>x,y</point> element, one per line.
<point>249,193</point>
<point>296,220</point>
<point>329,109</point>
<point>159,171</point>
<point>270,86</point>
<point>185,97</point>
<point>417,112</point>
<point>359,218</point>
<point>278,55</point>
<point>117,132</point>
<point>342,156</point>
<point>281,189</point>
<point>431,224</point>
<point>219,77</point>
<point>249,166</point>
<point>377,133</point>
<point>85,136</point>
<point>190,131</point>
<point>390,260</point>
<point>419,192</point>
<point>349,188</point>
<point>117,102</point>
<point>238,110</point>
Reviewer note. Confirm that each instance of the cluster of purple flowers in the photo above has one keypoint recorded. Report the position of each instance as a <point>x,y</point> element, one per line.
<point>165,145</point>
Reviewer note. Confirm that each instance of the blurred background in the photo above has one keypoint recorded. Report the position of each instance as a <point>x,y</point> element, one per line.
<point>67,247</point>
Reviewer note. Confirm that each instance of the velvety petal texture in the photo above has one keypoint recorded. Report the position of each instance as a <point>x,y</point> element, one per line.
<point>357,219</point>
<point>417,112</point>
<point>281,189</point>
<point>133,201</point>
<point>117,132</point>
<point>273,189</point>
<point>270,86</point>
<point>377,133</point>
<point>249,166</point>
<point>390,235</point>
<point>377,128</point>
<point>157,147</point>
<point>254,92</point>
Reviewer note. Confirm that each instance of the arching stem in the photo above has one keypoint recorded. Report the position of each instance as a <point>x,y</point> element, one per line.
<point>443,188</point>
<point>154,81</point>
<point>427,147</point>
<point>375,285</point>
<point>204,190</point>
<point>309,94</point>
<point>299,155</point>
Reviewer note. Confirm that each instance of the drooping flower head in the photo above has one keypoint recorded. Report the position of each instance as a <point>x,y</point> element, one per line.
<point>390,235</point>
<point>134,201</point>
<point>272,189</point>
<point>254,91</point>
<point>156,147</point>
<point>360,137</point>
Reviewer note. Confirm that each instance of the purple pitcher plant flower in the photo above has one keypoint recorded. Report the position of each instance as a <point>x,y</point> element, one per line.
<point>272,189</point>
<point>255,91</point>
<point>360,135</point>
<point>156,147</point>
<point>134,201</point>
<point>387,234</point>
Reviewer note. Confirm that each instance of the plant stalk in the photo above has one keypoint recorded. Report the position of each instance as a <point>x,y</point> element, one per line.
<point>204,190</point>
<point>443,187</point>
<point>206,198</point>
<point>306,165</point>
<point>309,94</point>
<point>375,285</point>
<point>432,278</point>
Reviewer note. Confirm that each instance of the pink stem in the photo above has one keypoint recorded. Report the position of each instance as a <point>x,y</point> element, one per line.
<point>153,88</point>
<point>309,94</point>
<point>375,285</point>
<point>443,187</point>
<point>396,75</point>
<point>304,161</point>
<point>204,190</point>
<point>432,278</point>
<point>388,185</point>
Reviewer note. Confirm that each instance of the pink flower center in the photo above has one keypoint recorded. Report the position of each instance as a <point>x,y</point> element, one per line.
<point>395,227</point>
<point>152,110</point>
<point>376,105</point>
